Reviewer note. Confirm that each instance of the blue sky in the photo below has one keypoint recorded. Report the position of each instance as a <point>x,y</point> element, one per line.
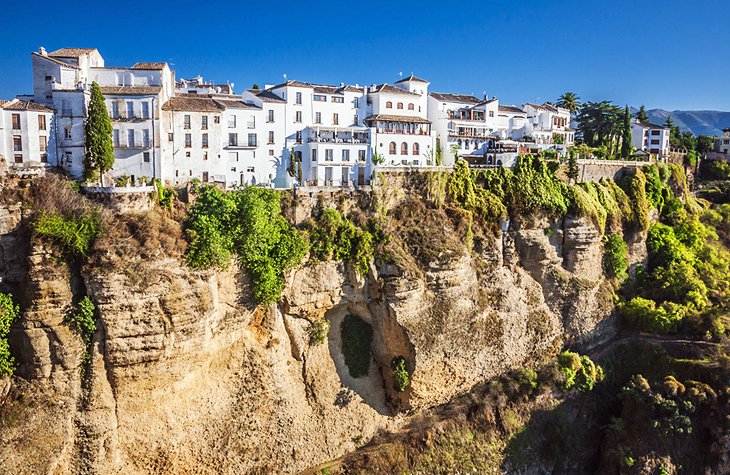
<point>670,54</point>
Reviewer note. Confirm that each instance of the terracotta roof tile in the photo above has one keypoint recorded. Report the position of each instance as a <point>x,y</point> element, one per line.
<point>266,95</point>
<point>150,66</point>
<point>190,103</point>
<point>513,109</point>
<point>461,98</point>
<point>130,90</point>
<point>398,118</point>
<point>235,104</point>
<point>387,88</point>
<point>71,52</point>
<point>411,78</point>
<point>17,105</point>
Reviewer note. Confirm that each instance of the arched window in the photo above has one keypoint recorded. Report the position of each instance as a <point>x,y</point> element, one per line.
<point>490,160</point>
<point>466,144</point>
<point>391,148</point>
<point>400,105</point>
<point>416,149</point>
<point>388,105</point>
<point>458,143</point>
<point>404,148</point>
<point>410,106</point>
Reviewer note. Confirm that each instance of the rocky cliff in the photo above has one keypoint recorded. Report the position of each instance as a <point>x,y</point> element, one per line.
<point>187,375</point>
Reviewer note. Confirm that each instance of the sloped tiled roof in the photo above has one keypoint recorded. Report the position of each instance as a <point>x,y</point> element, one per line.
<point>322,89</point>
<point>150,66</point>
<point>71,52</point>
<point>266,95</point>
<point>460,98</point>
<point>190,103</point>
<point>398,118</point>
<point>387,88</point>
<point>513,109</point>
<point>130,90</point>
<point>291,83</point>
<point>56,61</point>
<point>234,104</point>
<point>17,105</point>
<point>649,125</point>
<point>412,78</point>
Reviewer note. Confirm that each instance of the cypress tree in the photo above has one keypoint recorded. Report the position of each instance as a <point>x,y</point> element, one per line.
<point>642,115</point>
<point>626,135</point>
<point>99,155</point>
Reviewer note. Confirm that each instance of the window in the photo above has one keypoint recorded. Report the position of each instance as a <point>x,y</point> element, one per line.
<point>204,140</point>
<point>252,140</point>
<point>205,177</point>
<point>271,137</point>
<point>361,155</point>
<point>17,144</point>
<point>320,98</point>
<point>250,169</point>
<point>404,148</point>
<point>388,105</point>
<point>18,158</point>
<point>66,108</point>
<point>655,132</point>
<point>400,106</point>
<point>233,140</point>
<point>204,122</point>
<point>43,143</point>
<point>115,137</point>
<point>145,138</point>
<point>328,155</point>
<point>205,155</point>
<point>115,110</point>
<point>188,140</point>
<point>41,122</point>
<point>317,117</point>
<point>298,116</point>
<point>130,138</point>
<point>44,158</point>
<point>298,100</point>
<point>336,118</point>
<point>345,155</point>
<point>217,119</point>
<point>491,113</point>
<point>410,106</point>
<point>391,148</point>
<point>416,149</point>
<point>271,152</point>
<point>68,156</point>
<point>130,110</point>
<point>314,154</point>
<point>299,136</point>
<point>655,142</point>
<point>356,120</point>
<point>16,121</point>
<point>145,110</point>
<point>146,157</point>
<point>251,122</point>
<point>232,121</point>
<point>187,154</point>
<point>271,115</point>
<point>49,78</point>
<point>186,122</point>
<point>338,99</point>
<point>67,132</point>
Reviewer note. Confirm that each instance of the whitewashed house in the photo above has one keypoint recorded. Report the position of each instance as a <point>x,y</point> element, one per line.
<point>27,135</point>
<point>722,143</point>
<point>549,127</point>
<point>399,126</point>
<point>650,138</point>
<point>272,155</point>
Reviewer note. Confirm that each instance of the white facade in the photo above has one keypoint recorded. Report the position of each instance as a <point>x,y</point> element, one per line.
<point>548,126</point>
<point>27,134</point>
<point>651,138</point>
<point>722,143</point>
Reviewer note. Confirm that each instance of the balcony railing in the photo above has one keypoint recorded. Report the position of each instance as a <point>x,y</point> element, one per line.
<point>337,140</point>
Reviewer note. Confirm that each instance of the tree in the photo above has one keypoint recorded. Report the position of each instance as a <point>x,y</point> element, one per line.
<point>704,144</point>
<point>572,166</point>
<point>626,135</point>
<point>292,170</point>
<point>99,156</point>
<point>642,115</point>
<point>439,160</point>
<point>570,101</point>
<point>600,125</point>
<point>255,87</point>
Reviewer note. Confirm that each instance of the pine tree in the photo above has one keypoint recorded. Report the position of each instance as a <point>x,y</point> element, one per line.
<point>99,156</point>
<point>626,135</point>
<point>642,115</point>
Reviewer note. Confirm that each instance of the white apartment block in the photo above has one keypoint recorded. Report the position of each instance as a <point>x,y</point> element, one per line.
<point>722,143</point>
<point>651,138</point>
<point>27,134</point>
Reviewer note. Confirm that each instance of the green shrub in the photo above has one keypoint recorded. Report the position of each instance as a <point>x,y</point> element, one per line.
<point>644,314</point>
<point>578,371</point>
<point>318,331</point>
<point>165,196</point>
<point>615,256</point>
<point>635,188</point>
<point>535,188</point>
<point>527,378</point>
<point>654,186</point>
<point>73,233</point>
<point>82,319</point>
<point>9,312</point>
<point>247,223</point>
<point>716,169</point>
<point>357,338</point>
<point>333,236</point>
<point>401,377</point>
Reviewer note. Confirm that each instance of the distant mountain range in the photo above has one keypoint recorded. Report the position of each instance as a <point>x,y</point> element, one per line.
<point>697,122</point>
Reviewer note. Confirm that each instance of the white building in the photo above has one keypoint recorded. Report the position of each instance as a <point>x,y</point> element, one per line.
<point>27,134</point>
<point>722,143</point>
<point>134,97</point>
<point>651,138</point>
<point>399,125</point>
<point>549,127</point>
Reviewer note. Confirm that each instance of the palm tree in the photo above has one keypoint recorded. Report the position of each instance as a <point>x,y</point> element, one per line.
<point>570,101</point>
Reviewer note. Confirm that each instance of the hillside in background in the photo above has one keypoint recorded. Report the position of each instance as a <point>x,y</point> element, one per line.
<point>697,122</point>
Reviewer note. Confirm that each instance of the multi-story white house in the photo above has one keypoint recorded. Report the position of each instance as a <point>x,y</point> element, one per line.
<point>549,127</point>
<point>651,138</point>
<point>271,129</point>
<point>722,143</point>
<point>134,97</point>
<point>27,134</point>
<point>399,125</point>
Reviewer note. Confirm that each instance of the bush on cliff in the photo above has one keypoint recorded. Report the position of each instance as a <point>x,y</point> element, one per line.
<point>247,223</point>
<point>615,256</point>
<point>83,320</point>
<point>578,371</point>
<point>8,314</point>
<point>333,236</point>
<point>73,233</point>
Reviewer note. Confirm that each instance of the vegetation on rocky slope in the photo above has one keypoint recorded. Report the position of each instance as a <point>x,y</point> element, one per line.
<point>9,312</point>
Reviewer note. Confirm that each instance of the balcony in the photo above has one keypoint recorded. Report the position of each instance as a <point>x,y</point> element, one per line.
<point>336,136</point>
<point>122,117</point>
<point>467,115</point>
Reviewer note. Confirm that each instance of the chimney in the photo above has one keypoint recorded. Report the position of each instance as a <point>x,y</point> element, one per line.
<point>342,84</point>
<point>42,51</point>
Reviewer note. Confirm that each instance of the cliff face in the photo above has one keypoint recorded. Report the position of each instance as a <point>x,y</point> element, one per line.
<point>187,376</point>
